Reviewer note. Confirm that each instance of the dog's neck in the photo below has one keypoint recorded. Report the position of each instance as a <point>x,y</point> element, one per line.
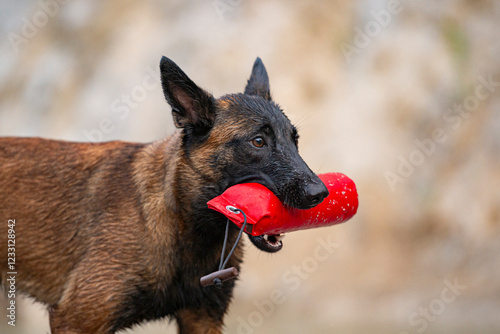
<point>171,196</point>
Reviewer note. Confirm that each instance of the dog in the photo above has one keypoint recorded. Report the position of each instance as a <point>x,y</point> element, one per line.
<point>110,235</point>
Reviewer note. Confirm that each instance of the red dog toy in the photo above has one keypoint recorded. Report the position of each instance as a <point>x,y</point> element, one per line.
<point>267,215</point>
<point>264,214</point>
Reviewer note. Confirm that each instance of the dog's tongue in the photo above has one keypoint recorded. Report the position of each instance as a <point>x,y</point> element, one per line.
<point>266,215</point>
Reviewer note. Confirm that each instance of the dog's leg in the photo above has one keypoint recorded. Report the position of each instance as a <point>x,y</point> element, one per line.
<point>197,322</point>
<point>61,323</point>
<point>94,319</point>
<point>67,321</point>
<point>89,301</point>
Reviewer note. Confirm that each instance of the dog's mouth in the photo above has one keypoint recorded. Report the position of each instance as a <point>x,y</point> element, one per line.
<point>268,242</point>
<point>257,178</point>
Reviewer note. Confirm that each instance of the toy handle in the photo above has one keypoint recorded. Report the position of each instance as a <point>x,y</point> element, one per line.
<point>217,277</point>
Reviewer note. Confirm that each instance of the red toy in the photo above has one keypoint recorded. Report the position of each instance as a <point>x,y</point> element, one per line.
<point>267,215</point>
<point>257,211</point>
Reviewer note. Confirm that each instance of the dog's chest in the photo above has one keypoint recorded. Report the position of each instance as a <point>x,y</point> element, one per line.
<point>154,300</point>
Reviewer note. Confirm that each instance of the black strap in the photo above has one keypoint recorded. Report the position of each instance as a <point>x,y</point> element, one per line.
<point>237,211</point>
<point>222,264</point>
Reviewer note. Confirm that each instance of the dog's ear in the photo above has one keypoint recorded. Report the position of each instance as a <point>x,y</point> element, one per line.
<point>191,106</point>
<point>258,84</point>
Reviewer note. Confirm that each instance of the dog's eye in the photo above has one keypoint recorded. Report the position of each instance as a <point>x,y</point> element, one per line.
<point>258,142</point>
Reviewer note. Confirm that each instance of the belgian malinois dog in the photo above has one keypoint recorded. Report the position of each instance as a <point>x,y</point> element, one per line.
<point>113,234</point>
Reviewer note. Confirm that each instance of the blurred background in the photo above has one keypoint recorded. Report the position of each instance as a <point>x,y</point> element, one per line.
<point>403,97</point>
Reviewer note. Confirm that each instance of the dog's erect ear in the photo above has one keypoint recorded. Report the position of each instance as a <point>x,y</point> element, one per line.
<point>258,84</point>
<point>191,106</point>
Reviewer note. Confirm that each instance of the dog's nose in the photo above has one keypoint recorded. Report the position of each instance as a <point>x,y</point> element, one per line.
<point>315,193</point>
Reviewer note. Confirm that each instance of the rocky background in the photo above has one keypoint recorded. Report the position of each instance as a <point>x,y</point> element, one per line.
<point>404,97</point>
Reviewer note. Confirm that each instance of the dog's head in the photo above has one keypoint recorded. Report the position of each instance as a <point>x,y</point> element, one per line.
<point>241,138</point>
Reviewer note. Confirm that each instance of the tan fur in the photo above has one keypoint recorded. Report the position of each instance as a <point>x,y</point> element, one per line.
<point>47,185</point>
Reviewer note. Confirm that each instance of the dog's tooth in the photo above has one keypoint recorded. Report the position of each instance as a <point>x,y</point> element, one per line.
<point>279,237</point>
<point>266,237</point>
